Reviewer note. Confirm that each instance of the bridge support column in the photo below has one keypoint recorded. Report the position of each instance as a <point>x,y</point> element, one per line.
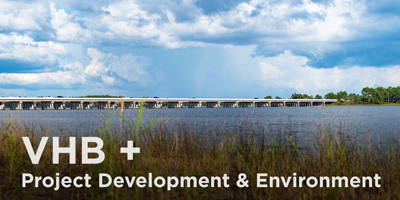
<point>246,104</point>
<point>213,104</point>
<point>178,104</point>
<point>231,104</point>
<point>28,105</point>
<point>57,106</point>
<point>153,104</point>
<point>197,104</point>
<point>15,105</point>
<point>86,105</point>
<point>102,105</point>
<point>75,105</point>
<point>129,105</point>
<point>112,105</point>
<point>261,104</point>
<point>45,105</point>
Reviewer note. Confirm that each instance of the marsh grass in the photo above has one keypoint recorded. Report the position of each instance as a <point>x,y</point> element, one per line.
<point>185,151</point>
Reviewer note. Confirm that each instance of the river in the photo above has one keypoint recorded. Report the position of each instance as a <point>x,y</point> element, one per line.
<point>303,121</point>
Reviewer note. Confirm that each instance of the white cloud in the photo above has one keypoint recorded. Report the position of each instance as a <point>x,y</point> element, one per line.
<point>108,80</point>
<point>96,66</point>
<point>66,30</point>
<point>22,47</point>
<point>21,16</point>
<point>62,79</point>
<point>127,19</point>
<point>155,23</point>
<point>290,71</point>
<point>103,69</point>
<point>132,68</point>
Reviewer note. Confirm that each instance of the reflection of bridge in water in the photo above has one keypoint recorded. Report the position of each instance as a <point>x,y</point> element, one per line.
<point>29,103</point>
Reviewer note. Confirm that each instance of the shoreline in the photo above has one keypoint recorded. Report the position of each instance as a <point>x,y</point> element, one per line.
<point>390,104</point>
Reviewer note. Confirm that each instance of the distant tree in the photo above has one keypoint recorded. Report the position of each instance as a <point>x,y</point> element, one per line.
<point>342,95</point>
<point>277,97</point>
<point>318,96</point>
<point>268,97</point>
<point>355,98</point>
<point>367,94</point>
<point>330,95</point>
<point>395,94</point>
<point>297,96</point>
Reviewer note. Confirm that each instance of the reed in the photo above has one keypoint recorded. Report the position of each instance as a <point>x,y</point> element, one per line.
<point>182,150</point>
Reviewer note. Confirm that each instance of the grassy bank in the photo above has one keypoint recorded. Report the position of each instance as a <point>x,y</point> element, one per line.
<point>182,150</point>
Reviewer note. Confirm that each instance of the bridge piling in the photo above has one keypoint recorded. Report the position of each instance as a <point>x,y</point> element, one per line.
<point>213,104</point>
<point>197,104</point>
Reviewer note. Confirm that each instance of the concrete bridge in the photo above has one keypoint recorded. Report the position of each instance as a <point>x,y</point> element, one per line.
<point>50,103</point>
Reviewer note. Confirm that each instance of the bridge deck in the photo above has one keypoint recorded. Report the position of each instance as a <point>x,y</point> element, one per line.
<point>50,103</point>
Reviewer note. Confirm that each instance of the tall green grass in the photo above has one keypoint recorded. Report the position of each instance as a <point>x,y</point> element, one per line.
<point>183,151</point>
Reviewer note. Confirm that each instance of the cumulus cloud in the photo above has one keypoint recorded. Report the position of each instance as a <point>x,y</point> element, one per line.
<point>66,29</point>
<point>96,66</point>
<point>327,32</point>
<point>280,25</point>
<point>321,23</point>
<point>60,78</point>
<point>127,20</point>
<point>132,68</point>
<point>21,16</point>
<point>290,71</point>
<point>22,47</point>
<point>104,68</point>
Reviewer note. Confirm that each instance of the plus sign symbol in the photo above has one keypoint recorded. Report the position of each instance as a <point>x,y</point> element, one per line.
<point>130,150</point>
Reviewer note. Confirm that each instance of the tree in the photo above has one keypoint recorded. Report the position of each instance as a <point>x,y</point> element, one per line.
<point>268,97</point>
<point>318,96</point>
<point>297,96</point>
<point>330,95</point>
<point>277,97</point>
<point>342,95</point>
<point>355,98</point>
<point>366,94</point>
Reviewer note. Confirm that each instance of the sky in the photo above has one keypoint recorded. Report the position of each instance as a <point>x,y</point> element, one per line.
<point>197,48</point>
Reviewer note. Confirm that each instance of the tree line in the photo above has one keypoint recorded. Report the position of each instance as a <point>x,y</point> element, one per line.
<point>368,95</point>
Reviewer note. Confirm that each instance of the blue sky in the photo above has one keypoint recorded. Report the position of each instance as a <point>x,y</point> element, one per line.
<point>197,48</point>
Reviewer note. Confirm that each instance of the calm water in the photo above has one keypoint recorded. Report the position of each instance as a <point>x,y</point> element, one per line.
<point>382,120</point>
